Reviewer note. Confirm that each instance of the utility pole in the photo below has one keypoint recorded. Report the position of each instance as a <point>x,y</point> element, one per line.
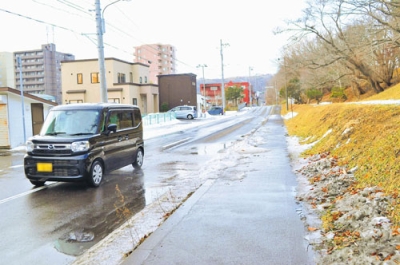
<point>100,47</point>
<point>204,89</point>
<point>222,75</point>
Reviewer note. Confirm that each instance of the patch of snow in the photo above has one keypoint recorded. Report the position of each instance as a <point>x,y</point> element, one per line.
<point>347,130</point>
<point>289,115</point>
<point>327,133</point>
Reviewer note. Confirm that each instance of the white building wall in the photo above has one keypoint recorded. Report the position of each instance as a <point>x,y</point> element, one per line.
<point>15,119</point>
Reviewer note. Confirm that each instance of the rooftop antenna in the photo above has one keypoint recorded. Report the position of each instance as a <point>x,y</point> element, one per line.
<point>47,34</point>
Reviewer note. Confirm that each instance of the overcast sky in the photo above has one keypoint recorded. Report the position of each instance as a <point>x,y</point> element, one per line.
<point>194,28</point>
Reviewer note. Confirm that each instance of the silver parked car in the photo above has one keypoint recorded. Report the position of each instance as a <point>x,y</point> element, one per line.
<point>185,112</point>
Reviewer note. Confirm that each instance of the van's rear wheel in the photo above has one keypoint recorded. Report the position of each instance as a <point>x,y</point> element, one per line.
<point>138,163</point>
<point>96,174</point>
<point>190,117</point>
<point>37,183</point>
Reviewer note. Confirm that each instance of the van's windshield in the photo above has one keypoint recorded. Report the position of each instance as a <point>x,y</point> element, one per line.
<point>71,122</point>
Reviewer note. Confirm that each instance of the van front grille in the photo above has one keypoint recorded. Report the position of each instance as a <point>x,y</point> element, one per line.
<point>52,149</point>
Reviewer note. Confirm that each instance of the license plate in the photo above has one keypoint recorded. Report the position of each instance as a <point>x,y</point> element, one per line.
<point>44,167</point>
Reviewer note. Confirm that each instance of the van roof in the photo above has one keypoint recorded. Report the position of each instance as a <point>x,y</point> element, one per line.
<point>96,106</point>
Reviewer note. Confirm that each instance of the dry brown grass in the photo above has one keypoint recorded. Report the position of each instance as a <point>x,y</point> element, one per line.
<point>363,136</point>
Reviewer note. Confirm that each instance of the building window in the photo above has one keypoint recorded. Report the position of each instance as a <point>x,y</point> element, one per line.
<point>145,79</point>
<point>121,78</point>
<point>95,78</point>
<point>134,101</point>
<point>79,78</point>
<point>140,80</point>
<point>114,100</point>
<point>131,77</point>
<point>75,101</point>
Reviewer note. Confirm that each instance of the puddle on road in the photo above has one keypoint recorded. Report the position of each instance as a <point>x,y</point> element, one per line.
<point>76,242</point>
<point>93,228</point>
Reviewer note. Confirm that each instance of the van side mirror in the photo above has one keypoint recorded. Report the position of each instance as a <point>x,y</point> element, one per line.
<point>110,128</point>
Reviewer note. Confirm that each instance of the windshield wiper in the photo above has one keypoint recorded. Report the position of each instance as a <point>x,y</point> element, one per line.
<point>55,133</point>
<point>74,134</point>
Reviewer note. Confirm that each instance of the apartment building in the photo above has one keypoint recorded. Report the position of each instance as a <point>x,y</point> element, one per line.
<point>160,58</point>
<point>7,78</point>
<point>127,83</point>
<point>41,71</point>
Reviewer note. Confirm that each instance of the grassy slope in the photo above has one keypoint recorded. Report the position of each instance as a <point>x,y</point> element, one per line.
<point>366,136</point>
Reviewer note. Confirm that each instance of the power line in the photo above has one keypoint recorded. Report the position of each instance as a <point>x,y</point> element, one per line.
<point>67,3</point>
<point>74,6</point>
<point>79,8</point>
<point>37,20</point>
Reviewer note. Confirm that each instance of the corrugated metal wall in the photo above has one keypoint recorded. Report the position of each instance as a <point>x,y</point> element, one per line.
<point>4,139</point>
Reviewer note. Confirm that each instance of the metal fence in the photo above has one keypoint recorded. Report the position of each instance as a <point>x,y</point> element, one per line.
<point>157,118</point>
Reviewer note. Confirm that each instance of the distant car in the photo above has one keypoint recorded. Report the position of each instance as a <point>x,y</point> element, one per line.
<point>185,112</point>
<point>216,111</point>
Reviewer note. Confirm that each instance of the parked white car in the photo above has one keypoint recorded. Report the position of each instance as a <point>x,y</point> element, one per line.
<point>185,112</point>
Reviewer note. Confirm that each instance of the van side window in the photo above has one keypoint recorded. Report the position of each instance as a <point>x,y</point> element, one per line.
<point>113,119</point>
<point>126,120</point>
<point>138,117</point>
<point>122,118</point>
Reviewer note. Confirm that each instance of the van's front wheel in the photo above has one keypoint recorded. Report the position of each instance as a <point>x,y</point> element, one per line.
<point>138,163</point>
<point>96,174</point>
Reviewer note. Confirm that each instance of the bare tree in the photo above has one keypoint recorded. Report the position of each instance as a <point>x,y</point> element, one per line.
<point>339,34</point>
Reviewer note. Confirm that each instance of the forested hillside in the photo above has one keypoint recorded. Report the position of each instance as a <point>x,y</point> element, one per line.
<point>339,46</point>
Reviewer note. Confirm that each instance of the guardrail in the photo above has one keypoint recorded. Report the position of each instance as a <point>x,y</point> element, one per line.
<point>157,118</point>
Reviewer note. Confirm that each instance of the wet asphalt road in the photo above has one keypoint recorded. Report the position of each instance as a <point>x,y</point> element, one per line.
<point>56,223</point>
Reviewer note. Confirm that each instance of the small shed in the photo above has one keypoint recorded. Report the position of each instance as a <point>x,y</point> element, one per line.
<point>20,117</point>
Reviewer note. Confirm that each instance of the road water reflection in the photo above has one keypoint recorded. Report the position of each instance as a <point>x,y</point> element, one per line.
<point>89,214</point>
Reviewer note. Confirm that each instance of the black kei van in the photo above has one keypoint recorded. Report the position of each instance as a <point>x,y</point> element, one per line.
<point>81,142</point>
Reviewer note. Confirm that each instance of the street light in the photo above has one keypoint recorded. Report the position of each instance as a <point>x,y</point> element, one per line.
<point>250,99</point>
<point>204,85</point>
<point>286,86</point>
<point>100,25</point>
<point>19,66</point>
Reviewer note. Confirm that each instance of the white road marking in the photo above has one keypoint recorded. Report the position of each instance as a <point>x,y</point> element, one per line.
<point>22,194</point>
<point>176,143</point>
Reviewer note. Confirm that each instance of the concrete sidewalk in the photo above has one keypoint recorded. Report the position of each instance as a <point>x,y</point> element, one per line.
<point>252,220</point>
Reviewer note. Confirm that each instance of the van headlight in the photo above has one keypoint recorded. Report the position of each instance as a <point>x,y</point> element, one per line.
<point>29,146</point>
<point>80,146</point>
